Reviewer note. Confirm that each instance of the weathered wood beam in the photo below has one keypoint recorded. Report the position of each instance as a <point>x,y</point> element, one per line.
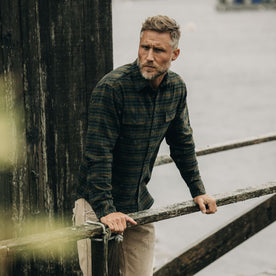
<point>221,241</point>
<point>51,239</point>
<point>52,54</point>
<point>188,207</point>
<point>62,236</point>
<point>165,159</point>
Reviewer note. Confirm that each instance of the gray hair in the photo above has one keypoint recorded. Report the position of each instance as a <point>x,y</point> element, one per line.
<point>162,24</point>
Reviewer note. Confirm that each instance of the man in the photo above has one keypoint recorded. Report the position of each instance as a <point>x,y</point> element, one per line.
<point>133,108</point>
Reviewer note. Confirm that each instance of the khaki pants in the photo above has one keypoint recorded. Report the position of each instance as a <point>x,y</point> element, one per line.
<point>138,245</point>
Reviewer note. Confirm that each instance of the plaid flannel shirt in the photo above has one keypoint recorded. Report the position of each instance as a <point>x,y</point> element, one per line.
<point>127,122</point>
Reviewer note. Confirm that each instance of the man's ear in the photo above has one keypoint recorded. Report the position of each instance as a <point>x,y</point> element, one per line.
<point>175,53</point>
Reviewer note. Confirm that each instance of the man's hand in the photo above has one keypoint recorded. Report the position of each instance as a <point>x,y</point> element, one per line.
<point>206,200</point>
<point>117,222</point>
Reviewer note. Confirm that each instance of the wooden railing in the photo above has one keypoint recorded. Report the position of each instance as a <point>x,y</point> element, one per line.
<point>195,258</point>
<point>224,146</point>
<point>221,241</point>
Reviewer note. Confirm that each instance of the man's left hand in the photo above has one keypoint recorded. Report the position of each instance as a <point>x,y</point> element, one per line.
<point>206,203</point>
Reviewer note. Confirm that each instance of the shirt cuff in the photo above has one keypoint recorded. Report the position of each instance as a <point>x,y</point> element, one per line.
<point>104,208</point>
<point>197,189</point>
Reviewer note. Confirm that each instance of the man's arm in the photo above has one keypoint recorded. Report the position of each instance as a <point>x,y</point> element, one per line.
<point>180,139</point>
<point>102,134</point>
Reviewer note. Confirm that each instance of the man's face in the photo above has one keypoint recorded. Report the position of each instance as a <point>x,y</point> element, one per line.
<point>155,54</point>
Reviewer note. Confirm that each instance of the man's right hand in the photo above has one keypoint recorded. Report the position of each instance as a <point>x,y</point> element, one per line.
<point>117,222</point>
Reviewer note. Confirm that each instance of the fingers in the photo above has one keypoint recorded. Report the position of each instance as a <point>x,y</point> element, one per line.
<point>206,203</point>
<point>212,206</point>
<point>117,222</point>
<point>131,220</point>
<point>201,205</point>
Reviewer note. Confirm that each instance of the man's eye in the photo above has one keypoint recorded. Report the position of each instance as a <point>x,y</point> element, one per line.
<point>158,50</point>
<point>145,47</point>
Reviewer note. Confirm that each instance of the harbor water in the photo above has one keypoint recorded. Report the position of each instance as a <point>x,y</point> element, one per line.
<point>228,62</point>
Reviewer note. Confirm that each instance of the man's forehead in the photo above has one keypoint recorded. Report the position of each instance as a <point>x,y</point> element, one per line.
<point>155,37</point>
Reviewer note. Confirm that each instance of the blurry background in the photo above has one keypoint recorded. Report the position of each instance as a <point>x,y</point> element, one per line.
<point>228,61</point>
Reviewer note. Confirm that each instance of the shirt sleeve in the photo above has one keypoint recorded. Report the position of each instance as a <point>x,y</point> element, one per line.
<point>182,149</point>
<point>103,131</point>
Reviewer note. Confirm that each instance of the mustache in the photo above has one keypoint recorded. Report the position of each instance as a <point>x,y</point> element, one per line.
<point>149,64</point>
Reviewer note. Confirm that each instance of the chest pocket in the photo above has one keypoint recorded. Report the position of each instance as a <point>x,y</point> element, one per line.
<point>137,126</point>
<point>170,115</point>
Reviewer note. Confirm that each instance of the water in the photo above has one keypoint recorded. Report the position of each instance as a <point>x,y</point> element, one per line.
<point>228,61</point>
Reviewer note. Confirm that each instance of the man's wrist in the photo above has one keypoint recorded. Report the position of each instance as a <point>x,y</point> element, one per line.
<point>104,212</point>
<point>197,189</point>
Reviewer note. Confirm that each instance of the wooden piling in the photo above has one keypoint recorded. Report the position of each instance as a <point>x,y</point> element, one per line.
<point>52,54</point>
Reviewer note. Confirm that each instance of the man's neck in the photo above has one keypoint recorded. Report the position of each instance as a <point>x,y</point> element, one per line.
<point>156,82</point>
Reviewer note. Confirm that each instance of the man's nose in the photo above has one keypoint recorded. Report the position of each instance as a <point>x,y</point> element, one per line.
<point>150,55</point>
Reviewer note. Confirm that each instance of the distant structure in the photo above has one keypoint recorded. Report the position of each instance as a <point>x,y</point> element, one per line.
<point>224,5</point>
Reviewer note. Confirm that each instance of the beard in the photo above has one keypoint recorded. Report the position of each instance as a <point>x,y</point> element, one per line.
<point>159,70</point>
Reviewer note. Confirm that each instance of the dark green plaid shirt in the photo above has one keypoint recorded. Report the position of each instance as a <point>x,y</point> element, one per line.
<point>127,123</point>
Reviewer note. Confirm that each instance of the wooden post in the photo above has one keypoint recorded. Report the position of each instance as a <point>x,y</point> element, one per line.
<point>99,248</point>
<point>52,53</point>
<point>5,264</point>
